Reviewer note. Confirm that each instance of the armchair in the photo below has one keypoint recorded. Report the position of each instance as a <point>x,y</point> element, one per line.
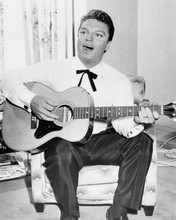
<point>97,183</point>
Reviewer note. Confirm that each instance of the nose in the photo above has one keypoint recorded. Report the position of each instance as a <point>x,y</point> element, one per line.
<point>89,37</point>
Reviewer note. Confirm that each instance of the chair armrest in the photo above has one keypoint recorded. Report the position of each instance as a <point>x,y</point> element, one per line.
<point>138,88</point>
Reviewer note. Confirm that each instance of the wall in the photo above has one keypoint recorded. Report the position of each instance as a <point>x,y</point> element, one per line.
<point>123,51</point>
<point>145,44</point>
<point>157,51</point>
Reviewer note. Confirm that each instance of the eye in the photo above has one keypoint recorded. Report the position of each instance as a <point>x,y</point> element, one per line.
<point>82,32</point>
<point>99,35</point>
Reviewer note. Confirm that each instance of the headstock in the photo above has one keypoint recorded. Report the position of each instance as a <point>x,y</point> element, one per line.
<point>170,110</point>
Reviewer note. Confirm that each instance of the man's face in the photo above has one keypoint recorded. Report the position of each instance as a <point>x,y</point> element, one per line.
<point>92,42</point>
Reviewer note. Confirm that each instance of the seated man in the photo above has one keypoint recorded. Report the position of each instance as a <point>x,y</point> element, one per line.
<point>124,144</point>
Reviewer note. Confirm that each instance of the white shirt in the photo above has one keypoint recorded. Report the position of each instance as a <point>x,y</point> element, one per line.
<point>113,88</point>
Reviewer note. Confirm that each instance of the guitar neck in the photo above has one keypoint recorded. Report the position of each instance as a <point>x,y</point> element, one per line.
<point>111,111</point>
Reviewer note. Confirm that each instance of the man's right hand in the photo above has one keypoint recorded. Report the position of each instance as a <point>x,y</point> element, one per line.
<point>42,107</point>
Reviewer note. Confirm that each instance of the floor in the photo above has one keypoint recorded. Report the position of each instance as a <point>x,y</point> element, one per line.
<point>16,199</point>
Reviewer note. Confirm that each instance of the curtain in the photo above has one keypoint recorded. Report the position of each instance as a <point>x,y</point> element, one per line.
<point>48,29</point>
<point>36,30</point>
<point>1,39</point>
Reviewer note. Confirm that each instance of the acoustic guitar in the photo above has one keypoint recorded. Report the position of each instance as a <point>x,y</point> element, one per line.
<point>23,131</point>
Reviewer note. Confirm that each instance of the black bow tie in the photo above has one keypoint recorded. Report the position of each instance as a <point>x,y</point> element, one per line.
<point>91,76</point>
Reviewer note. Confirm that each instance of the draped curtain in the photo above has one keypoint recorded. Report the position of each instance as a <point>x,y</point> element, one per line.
<point>36,30</point>
<point>1,39</point>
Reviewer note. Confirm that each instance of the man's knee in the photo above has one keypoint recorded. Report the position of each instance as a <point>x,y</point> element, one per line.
<point>58,148</point>
<point>146,144</point>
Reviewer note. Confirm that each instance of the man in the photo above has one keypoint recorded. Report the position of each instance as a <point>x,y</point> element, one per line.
<point>122,144</point>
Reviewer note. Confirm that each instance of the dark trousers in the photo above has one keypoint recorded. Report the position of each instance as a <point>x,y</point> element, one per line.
<point>64,160</point>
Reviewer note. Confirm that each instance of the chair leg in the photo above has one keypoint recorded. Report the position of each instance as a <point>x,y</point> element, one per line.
<point>39,207</point>
<point>148,210</point>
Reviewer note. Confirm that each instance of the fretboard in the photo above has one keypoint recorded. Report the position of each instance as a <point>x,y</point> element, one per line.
<point>111,111</point>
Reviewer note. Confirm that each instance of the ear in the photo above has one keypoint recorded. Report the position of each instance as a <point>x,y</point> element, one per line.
<point>107,46</point>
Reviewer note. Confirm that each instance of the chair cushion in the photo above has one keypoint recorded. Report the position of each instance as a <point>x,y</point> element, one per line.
<point>98,174</point>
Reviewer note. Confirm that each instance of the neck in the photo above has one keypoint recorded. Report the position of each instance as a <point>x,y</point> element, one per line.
<point>89,64</point>
<point>111,111</point>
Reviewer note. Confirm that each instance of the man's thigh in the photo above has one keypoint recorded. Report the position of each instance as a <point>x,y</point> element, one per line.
<point>109,148</point>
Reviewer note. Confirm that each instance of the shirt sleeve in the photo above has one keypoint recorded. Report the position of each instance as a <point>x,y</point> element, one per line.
<point>127,126</point>
<point>13,83</point>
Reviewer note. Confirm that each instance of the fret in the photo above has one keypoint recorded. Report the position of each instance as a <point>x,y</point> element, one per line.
<point>118,112</point>
<point>105,112</point>
<point>97,113</point>
<point>87,112</point>
<point>74,113</point>
<point>136,110</point>
<point>93,112</point>
<point>91,115</point>
<point>124,111</point>
<point>81,113</point>
<point>130,111</point>
<point>78,113</point>
<point>115,112</point>
<point>109,112</point>
<point>101,111</point>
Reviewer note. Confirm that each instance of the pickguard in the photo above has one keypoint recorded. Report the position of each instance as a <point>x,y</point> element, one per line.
<point>46,127</point>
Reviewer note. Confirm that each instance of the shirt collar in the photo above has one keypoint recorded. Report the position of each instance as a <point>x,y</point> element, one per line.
<point>79,65</point>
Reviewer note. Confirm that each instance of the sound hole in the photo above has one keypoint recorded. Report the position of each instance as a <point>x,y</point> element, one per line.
<point>65,114</point>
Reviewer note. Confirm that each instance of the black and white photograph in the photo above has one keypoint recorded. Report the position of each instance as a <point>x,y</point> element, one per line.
<point>87,109</point>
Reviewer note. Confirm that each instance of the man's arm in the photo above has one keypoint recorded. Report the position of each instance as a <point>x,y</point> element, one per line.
<point>132,126</point>
<point>13,82</point>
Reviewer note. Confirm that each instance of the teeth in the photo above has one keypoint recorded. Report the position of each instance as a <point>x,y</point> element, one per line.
<point>88,48</point>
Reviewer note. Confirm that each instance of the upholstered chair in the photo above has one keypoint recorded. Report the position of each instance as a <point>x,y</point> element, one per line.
<point>97,183</point>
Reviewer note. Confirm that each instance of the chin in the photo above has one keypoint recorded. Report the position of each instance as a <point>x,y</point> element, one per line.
<point>85,59</point>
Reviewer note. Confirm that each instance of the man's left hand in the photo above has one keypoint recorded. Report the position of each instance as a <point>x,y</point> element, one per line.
<point>146,116</point>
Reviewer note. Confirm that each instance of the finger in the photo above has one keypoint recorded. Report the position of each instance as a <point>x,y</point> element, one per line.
<point>136,119</point>
<point>143,112</point>
<point>49,115</point>
<point>142,116</point>
<point>52,102</point>
<point>149,113</point>
<point>48,107</point>
<point>145,116</point>
<point>156,115</point>
<point>44,113</point>
<point>45,117</point>
<point>152,115</point>
<point>148,117</point>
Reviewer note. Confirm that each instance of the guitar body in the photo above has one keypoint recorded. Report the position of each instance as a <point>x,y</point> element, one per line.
<point>22,131</point>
